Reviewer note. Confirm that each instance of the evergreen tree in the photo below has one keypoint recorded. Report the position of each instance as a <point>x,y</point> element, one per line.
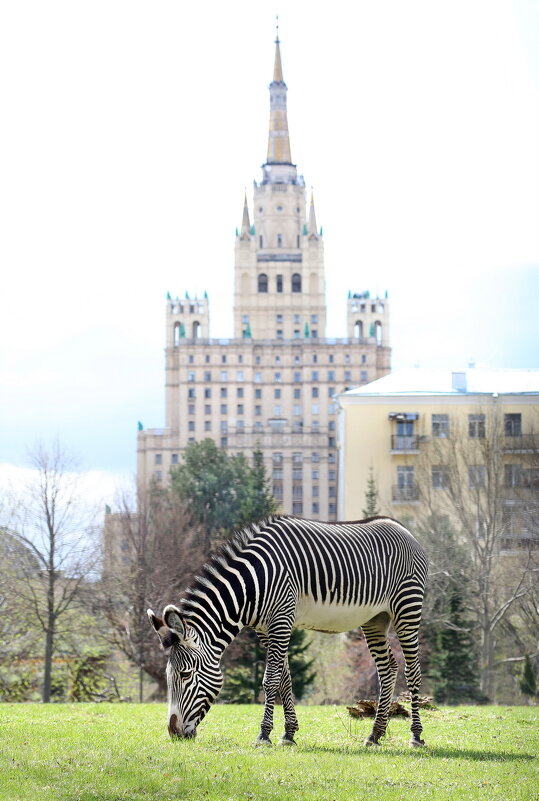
<point>454,664</point>
<point>371,496</point>
<point>528,679</point>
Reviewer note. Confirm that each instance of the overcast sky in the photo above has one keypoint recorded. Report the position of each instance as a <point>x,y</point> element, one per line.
<point>131,130</point>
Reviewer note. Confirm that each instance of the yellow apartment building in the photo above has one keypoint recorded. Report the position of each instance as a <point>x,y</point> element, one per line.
<point>440,439</point>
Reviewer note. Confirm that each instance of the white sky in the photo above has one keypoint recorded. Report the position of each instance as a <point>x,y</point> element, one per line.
<point>130,130</point>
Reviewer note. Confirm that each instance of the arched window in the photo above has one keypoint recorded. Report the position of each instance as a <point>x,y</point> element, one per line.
<point>378,332</point>
<point>279,240</point>
<point>262,282</point>
<point>358,329</point>
<point>177,333</point>
<point>196,329</point>
<point>296,282</point>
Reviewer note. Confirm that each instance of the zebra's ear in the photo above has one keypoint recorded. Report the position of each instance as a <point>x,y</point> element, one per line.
<point>172,618</point>
<point>155,621</point>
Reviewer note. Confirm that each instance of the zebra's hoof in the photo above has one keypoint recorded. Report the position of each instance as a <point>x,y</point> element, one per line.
<point>415,742</point>
<point>262,740</point>
<point>287,740</point>
<point>369,741</point>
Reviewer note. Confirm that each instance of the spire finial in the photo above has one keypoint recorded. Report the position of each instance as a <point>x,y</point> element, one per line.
<point>276,29</point>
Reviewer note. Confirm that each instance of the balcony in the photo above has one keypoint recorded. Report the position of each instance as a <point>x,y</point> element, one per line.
<point>404,443</point>
<point>520,443</point>
<point>404,494</point>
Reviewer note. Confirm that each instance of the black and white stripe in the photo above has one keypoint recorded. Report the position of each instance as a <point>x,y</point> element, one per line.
<point>284,572</point>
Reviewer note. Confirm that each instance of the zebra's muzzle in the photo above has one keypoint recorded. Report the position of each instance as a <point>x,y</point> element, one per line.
<point>176,733</point>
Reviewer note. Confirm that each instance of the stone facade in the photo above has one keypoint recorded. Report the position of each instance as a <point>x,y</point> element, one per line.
<point>272,386</point>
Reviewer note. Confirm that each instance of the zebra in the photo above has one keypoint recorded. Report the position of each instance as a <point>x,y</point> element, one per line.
<point>284,572</point>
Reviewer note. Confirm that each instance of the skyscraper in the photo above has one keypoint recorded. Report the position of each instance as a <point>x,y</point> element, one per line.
<point>272,385</point>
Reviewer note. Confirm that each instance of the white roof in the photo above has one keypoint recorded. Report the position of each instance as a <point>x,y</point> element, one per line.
<point>441,381</point>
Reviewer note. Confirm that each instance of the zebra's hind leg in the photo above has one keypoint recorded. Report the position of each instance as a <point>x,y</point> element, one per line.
<point>290,720</point>
<point>407,635</point>
<point>376,636</point>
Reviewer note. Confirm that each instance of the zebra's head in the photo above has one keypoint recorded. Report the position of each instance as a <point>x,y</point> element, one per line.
<point>194,675</point>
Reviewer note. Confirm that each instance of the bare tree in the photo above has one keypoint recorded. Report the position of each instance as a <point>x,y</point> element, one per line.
<point>148,558</point>
<point>473,482</point>
<point>52,528</point>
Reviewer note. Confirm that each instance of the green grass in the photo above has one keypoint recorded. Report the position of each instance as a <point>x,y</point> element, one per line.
<point>110,752</point>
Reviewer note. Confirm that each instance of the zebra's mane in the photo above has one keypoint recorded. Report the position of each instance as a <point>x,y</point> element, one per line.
<point>224,555</point>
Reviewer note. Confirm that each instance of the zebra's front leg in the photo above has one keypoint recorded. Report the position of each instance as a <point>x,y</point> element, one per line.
<point>278,638</point>
<point>287,697</point>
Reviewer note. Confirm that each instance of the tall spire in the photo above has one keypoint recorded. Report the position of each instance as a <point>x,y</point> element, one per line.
<point>278,140</point>
<point>245,223</point>
<point>312,218</point>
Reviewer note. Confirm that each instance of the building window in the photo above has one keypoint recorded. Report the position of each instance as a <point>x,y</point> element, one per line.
<point>314,375</point>
<point>174,458</point>
<point>279,334</point>
<point>223,358</point>
<point>191,408</point>
<point>476,426</point>
<point>277,458</point>
<point>331,475</point>
<point>257,359</point>
<point>258,393</point>
<point>239,408</point>
<point>239,375</point>
<point>158,475</point>
<point>297,360</point>
<point>240,426</point>
<point>207,408</point>
<point>277,360</point>
<point>224,375</point>
<point>260,242</point>
<point>331,392</point>
<point>258,426</point>
<point>440,426</point>
<point>296,410</point>
<point>297,474</point>
<point>316,508</point>
<point>297,377</point>
<point>297,457</point>
<point>277,394</point>
<point>158,458</point>
<point>258,410</point>
<point>190,375</point>
<point>296,282</point>
<point>262,282</point>
<point>347,375</point>
<point>332,442</point>
<point>278,492</point>
<point>258,377</point>
<point>279,283</point>
<point>314,319</point>
<point>331,358</point>
<point>315,457</point>
<point>363,376</point>
<point>191,359</point>
<point>277,410</point>
<point>297,394</point>
<point>332,491</point>
<point>331,375</point>
<point>297,319</point>
<point>224,392</point>
<point>277,377</point>
<point>240,358</point>
<point>207,425</point>
<point>316,491</point>
<point>207,376</point>
<point>332,509</point>
<point>440,476</point>
<point>297,333</point>
<point>224,408</point>
<point>224,426</point>
<point>315,408</point>
<point>314,392</point>
<point>332,425</point>
<point>277,474</point>
<point>224,442</point>
<point>476,476</point>
<point>207,358</point>
<point>512,424</point>
<point>315,474</point>
<point>279,240</point>
<point>191,392</point>
<point>297,507</point>
<point>207,392</point>
<point>239,392</point>
<point>331,458</point>
<point>191,425</point>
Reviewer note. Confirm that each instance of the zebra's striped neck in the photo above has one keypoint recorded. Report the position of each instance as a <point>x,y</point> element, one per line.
<point>216,602</point>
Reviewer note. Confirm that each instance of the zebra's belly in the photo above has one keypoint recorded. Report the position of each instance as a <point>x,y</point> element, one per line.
<point>333,617</point>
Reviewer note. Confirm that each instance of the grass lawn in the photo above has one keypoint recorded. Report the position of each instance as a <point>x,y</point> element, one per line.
<point>107,752</point>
